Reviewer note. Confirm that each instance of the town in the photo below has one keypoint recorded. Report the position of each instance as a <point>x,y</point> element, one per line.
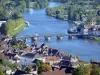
<point>18,58</point>
<point>49,37</point>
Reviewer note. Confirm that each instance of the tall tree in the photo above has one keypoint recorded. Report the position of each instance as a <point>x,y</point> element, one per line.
<point>95,69</point>
<point>81,70</point>
<point>44,68</point>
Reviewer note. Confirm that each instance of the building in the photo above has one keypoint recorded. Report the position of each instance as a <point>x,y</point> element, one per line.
<point>69,61</point>
<point>28,58</point>
<point>52,60</point>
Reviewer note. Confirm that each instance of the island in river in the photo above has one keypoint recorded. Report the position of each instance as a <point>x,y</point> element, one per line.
<point>40,23</point>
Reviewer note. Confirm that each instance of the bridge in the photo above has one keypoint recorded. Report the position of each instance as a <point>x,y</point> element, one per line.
<point>47,37</point>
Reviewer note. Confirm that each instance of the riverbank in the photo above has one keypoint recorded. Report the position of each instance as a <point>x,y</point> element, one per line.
<point>95,39</point>
<point>18,29</point>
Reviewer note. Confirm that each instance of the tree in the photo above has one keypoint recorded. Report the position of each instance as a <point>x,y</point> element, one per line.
<point>95,69</point>
<point>22,3</point>
<point>92,60</point>
<point>38,62</point>
<point>44,68</point>
<point>1,72</point>
<point>28,69</point>
<point>81,70</point>
<point>27,3</point>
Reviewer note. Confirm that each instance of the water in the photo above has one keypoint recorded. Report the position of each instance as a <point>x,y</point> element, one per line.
<point>40,23</point>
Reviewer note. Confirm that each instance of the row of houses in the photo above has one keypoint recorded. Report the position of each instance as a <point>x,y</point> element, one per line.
<point>26,57</point>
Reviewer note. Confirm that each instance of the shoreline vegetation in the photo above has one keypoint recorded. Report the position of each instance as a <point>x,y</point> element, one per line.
<point>80,12</point>
<point>95,39</point>
<point>11,12</point>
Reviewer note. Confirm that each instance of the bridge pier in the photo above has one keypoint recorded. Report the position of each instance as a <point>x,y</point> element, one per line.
<point>70,37</point>
<point>47,38</point>
<point>59,37</point>
<point>34,38</point>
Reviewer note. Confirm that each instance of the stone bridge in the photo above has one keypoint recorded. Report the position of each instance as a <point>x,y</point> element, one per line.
<point>47,37</point>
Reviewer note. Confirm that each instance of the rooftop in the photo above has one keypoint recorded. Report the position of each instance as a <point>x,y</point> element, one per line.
<point>52,58</point>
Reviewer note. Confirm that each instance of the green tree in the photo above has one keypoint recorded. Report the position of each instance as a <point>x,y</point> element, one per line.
<point>95,69</point>
<point>1,72</point>
<point>92,60</point>
<point>81,70</point>
<point>38,62</point>
<point>44,68</point>
<point>27,3</point>
<point>28,69</point>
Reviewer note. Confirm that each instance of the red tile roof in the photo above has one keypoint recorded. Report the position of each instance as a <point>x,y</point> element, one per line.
<point>52,58</point>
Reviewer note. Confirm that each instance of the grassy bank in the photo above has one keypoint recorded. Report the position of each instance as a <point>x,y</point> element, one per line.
<point>19,29</point>
<point>95,39</point>
<point>13,27</point>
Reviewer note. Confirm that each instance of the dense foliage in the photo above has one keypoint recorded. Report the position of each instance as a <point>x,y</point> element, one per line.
<point>12,27</point>
<point>44,68</point>
<point>1,72</point>
<point>76,11</point>
<point>5,62</point>
<point>10,11</point>
<point>86,70</point>
<point>38,4</point>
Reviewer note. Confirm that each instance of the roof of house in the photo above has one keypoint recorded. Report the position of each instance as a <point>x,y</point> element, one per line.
<point>56,72</point>
<point>29,55</point>
<point>65,63</point>
<point>32,55</point>
<point>2,42</point>
<point>66,58</point>
<point>52,51</point>
<point>11,54</point>
<point>52,58</point>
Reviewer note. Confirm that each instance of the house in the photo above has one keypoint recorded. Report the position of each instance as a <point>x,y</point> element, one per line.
<point>70,58</point>
<point>16,58</point>
<point>11,55</point>
<point>65,63</point>
<point>56,72</point>
<point>52,60</point>
<point>70,61</point>
<point>28,58</point>
<point>3,46</point>
<point>52,52</point>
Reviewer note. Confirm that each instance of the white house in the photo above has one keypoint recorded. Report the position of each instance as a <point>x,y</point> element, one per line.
<point>52,60</point>
<point>28,58</point>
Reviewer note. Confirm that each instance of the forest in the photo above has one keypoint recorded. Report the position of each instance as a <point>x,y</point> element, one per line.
<point>76,11</point>
<point>11,11</point>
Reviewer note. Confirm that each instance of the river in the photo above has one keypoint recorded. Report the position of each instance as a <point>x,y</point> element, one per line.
<point>40,23</point>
